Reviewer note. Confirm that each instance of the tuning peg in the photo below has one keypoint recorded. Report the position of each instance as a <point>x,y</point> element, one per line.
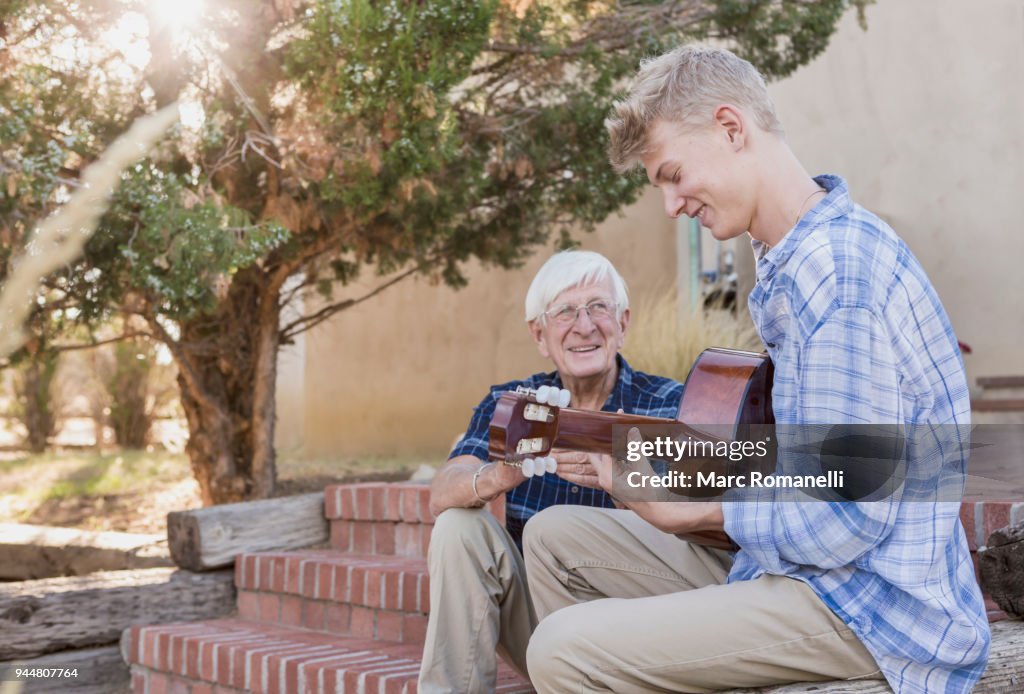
<point>563,398</point>
<point>542,394</point>
<point>528,467</point>
<point>552,464</point>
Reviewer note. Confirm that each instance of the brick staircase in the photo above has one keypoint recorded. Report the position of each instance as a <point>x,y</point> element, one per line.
<point>351,618</point>
<point>1000,400</point>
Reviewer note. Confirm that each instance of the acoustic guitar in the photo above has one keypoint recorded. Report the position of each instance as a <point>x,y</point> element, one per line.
<point>727,392</point>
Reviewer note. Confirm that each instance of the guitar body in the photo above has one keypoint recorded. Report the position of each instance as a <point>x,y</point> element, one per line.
<point>728,390</point>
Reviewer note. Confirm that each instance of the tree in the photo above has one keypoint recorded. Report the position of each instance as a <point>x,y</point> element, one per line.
<point>328,137</point>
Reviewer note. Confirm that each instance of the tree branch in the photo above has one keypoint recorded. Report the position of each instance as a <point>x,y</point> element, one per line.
<point>301,325</point>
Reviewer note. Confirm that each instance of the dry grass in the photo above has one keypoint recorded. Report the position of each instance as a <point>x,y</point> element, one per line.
<point>666,341</point>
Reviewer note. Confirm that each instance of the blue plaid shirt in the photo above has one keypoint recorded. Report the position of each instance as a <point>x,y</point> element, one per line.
<point>635,393</point>
<point>858,335</point>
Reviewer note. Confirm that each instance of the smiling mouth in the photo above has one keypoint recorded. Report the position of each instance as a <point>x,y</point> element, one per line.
<point>701,212</point>
<point>591,348</point>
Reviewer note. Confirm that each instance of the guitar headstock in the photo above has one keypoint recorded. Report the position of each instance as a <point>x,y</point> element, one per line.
<point>525,424</point>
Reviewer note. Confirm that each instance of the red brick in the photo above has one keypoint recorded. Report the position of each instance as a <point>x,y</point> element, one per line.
<point>332,502</point>
<point>407,539</point>
<point>967,519</point>
<point>202,688</point>
<point>293,575</point>
<point>410,593</point>
<point>357,585</point>
<point>308,578</point>
<point>314,614</point>
<point>149,648</point>
<point>159,683</point>
<point>279,564</point>
<point>337,618</point>
<point>326,581</point>
<point>291,611</point>
<point>270,607</point>
<point>425,516</point>
<point>392,594</point>
<point>266,572</point>
<point>384,537</point>
<point>178,686</point>
<point>249,572</point>
<point>425,531</point>
<point>362,623</point>
<point>364,504</point>
<point>424,594</point>
<point>341,535</point>
<point>389,625</point>
<point>410,504</point>
<point>138,682</point>
<point>134,644</point>
<point>996,515</point>
<point>191,651</point>
<point>374,579</point>
<point>414,628</point>
<point>347,509</point>
<point>207,660</point>
<point>362,538</point>
<point>394,512</point>
<point>248,605</point>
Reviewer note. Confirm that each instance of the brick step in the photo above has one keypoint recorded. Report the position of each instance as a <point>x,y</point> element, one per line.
<point>372,597</point>
<point>236,655</point>
<point>1002,386</point>
<point>384,518</point>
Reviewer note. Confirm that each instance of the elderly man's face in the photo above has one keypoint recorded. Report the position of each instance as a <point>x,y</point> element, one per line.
<point>586,345</point>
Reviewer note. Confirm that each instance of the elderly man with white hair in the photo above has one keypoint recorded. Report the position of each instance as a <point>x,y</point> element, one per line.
<point>577,311</point>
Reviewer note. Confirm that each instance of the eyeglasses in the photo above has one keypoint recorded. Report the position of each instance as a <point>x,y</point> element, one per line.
<point>597,309</point>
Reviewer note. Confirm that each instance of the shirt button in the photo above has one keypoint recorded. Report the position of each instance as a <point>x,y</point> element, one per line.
<point>574,489</point>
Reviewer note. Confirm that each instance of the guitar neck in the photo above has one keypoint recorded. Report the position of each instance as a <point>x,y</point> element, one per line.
<point>586,430</point>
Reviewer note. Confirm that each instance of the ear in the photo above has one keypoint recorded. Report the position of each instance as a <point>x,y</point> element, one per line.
<point>732,124</point>
<point>624,325</point>
<point>537,333</point>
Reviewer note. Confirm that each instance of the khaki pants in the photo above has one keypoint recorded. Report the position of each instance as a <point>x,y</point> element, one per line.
<point>625,607</point>
<point>479,604</point>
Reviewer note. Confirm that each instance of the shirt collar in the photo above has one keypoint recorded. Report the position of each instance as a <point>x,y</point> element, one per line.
<point>836,203</point>
<point>621,394</point>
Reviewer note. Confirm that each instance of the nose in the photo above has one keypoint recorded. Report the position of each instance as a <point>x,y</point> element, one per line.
<point>583,323</point>
<point>674,204</point>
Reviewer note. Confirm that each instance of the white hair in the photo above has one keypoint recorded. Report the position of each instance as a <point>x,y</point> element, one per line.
<point>572,269</point>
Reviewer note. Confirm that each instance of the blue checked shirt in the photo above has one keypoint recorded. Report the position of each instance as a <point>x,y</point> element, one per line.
<point>858,335</point>
<point>635,393</point>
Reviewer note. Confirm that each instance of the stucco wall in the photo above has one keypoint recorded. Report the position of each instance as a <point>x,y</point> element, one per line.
<point>923,114</point>
<point>401,373</point>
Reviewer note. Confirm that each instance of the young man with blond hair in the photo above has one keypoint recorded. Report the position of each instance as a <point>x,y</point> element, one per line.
<point>815,590</point>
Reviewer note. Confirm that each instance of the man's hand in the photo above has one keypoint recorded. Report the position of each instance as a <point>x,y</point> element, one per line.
<point>580,468</point>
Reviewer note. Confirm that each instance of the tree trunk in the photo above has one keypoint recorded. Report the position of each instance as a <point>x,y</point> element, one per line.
<point>227,366</point>
<point>37,413</point>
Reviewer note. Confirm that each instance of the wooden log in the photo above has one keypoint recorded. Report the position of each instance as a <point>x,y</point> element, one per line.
<point>1005,672</point>
<point>1001,568</point>
<point>211,538</point>
<point>96,671</point>
<point>39,551</point>
<point>49,615</point>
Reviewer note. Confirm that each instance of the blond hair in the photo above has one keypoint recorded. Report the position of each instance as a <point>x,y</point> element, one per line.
<point>684,86</point>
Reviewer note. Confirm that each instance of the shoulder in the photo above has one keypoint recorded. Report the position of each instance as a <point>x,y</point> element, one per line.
<point>534,381</point>
<point>847,262</point>
<point>657,396</point>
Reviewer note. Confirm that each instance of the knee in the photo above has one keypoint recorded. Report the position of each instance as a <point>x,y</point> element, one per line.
<point>456,532</point>
<point>541,533</point>
<point>548,655</point>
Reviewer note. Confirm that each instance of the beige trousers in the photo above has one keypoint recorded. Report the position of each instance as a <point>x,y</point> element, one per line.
<point>625,607</point>
<point>479,604</point>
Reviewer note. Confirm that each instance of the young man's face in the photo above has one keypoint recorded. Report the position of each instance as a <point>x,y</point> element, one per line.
<point>700,174</point>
